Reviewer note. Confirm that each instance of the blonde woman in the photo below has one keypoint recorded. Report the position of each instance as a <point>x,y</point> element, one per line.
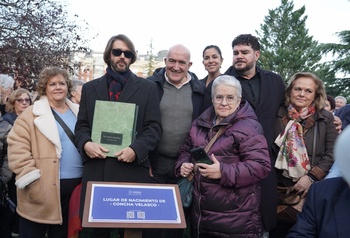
<point>44,158</point>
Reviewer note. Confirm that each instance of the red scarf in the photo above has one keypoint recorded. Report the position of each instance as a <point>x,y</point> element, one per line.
<point>116,82</point>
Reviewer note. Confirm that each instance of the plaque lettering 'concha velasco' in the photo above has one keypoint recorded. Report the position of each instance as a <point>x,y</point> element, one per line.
<point>114,125</point>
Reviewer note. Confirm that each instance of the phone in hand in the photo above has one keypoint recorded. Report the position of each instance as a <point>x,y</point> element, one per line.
<point>201,156</point>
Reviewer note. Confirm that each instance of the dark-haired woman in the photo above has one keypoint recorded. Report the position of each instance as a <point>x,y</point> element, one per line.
<point>212,61</point>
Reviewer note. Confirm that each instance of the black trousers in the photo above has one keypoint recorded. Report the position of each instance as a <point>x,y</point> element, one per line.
<point>9,219</point>
<point>30,229</point>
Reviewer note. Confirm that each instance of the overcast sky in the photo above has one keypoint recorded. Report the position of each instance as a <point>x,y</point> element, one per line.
<point>198,23</point>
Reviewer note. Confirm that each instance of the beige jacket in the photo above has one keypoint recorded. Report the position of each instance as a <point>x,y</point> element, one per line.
<point>34,151</point>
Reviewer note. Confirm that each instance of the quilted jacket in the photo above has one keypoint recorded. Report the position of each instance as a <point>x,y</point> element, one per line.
<point>229,206</point>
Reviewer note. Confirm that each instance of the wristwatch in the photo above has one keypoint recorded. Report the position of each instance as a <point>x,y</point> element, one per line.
<point>311,180</point>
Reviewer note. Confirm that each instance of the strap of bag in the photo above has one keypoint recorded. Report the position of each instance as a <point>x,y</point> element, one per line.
<point>211,142</point>
<point>64,126</point>
<point>314,144</point>
<point>207,147</point>
<point>293,199</point>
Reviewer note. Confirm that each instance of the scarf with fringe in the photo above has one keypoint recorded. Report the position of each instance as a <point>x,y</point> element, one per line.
<point>292,157</point>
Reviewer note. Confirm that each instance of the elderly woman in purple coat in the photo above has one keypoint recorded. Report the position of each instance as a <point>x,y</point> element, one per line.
<point>226,194</point>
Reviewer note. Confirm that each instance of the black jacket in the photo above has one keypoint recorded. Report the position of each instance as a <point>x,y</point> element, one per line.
<point>139,91</point>
<point>198,89</point>
<point>272,89</point>
<point>5,172</point>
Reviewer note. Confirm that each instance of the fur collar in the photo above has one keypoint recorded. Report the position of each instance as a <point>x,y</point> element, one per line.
<point>46,123</point>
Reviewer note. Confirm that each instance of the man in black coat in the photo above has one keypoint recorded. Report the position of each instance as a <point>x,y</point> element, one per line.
<point>326,211</point>
<point>344,115</point>
<point>130,164</point>
<point>264,90</point>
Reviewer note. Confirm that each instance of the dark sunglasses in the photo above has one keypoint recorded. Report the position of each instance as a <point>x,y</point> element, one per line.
<point>21,100</point>
<point>118,52</point>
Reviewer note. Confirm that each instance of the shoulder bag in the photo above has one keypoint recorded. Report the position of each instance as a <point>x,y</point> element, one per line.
<point>186,184</point>
<point>289,205</point>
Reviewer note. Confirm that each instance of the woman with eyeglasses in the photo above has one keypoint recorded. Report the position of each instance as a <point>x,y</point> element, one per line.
<point>17,102</point>
<point>44,158</point>
<point>226,195</point>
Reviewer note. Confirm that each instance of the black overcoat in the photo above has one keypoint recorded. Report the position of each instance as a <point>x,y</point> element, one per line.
<point>272,89</point>
<point>137,90</point>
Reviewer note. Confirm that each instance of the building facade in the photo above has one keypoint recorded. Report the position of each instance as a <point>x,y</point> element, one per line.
<point>90,66</point>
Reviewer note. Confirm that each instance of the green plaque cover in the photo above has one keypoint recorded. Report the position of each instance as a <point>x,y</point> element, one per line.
<point>114,124</point>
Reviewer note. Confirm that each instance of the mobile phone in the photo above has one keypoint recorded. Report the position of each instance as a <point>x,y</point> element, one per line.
<point>201,156</point>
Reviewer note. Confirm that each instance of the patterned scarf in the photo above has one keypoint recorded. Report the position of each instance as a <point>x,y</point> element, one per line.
<point>292,157</point>
<point>116,82</point>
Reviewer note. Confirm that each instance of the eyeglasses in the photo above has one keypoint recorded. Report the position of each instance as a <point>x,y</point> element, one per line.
<point>117,52</point>
<point>21,100</point>
<point>220,99</point>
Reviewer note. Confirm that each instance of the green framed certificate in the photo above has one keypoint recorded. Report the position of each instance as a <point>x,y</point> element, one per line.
<point>114,124</point>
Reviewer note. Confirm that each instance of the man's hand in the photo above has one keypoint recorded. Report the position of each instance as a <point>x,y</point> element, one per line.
<point>126,155</point>
<point>337,123</point>
<point>94,150</point>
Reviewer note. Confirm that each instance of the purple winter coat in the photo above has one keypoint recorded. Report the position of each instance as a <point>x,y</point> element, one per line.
<point>230,206</point>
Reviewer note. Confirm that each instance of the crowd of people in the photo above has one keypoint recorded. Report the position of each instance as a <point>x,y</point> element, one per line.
<point>272,140</point>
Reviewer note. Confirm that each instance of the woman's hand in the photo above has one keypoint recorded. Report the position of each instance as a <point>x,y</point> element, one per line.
<point>210,171</point>
<point>186,169</point>
<point>302,186</point>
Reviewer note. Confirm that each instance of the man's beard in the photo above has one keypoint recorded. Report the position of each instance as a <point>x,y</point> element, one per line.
<point>119,69</point>
<point>244,69</point>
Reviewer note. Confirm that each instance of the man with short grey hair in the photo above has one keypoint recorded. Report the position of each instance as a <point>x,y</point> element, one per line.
<point>6,88</point>
<point>75,95</point>
<point>340,102</point>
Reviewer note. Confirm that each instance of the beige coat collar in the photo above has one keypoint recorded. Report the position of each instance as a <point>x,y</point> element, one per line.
<point>46,123</point>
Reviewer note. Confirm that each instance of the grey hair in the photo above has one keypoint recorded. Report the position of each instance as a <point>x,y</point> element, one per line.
<point>76,83</point>
<point>342,98</point>
<point>6,81</point>
<point>227,80</point>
